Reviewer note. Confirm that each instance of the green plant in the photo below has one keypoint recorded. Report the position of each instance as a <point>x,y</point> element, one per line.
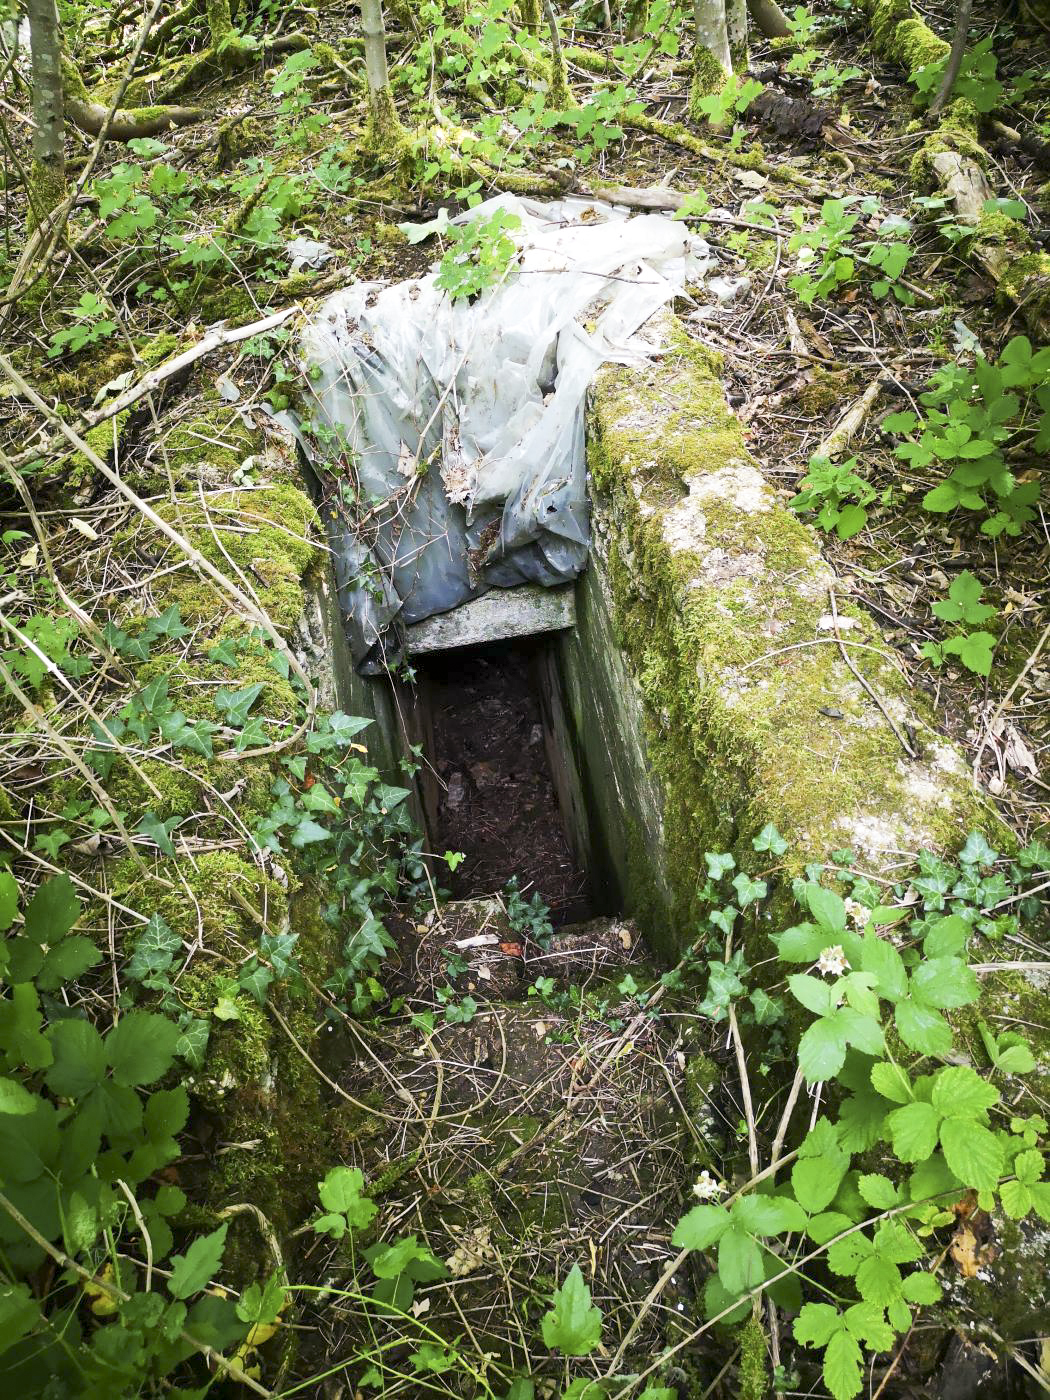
<point>963,605</point>
<point>976,81</point>
<point>732,99</point>
<point>809,60</point>
<point>527,918</point>
<point>930,1131</point>
<point>90,325</point>
<point>479,254</point>
<point>841,255</point>
<point>979,422</point>
<point>837,494</point>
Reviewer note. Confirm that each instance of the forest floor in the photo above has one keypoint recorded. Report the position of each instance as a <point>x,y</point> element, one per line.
<point>792,369</point>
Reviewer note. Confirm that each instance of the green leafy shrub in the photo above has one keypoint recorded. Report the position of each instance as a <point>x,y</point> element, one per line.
<point>976,423</point>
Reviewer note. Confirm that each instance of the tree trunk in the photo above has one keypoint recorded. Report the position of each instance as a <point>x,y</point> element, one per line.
<point>384,128</point>
<point>712,60</point>
<point>770,18</point>
<point>736,27</point>
<point>47,185</point>
<point>560,95</point>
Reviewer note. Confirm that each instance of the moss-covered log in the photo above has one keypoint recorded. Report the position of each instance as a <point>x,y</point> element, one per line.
<point>125,123</point>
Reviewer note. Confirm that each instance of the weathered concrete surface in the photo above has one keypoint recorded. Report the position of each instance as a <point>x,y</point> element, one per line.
<point>704,688</point>
<point>494,617</point>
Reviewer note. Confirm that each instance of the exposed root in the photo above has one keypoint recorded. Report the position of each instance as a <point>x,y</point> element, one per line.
<point>126,123</point>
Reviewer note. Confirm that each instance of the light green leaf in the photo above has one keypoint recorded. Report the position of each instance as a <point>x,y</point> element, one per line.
<point>1029,1166</point>
<point>913,1131</point>
<point>878,1280</point>
<point>19,1313</point>
<point>15,1098</point>
<point>826,906</point>
<point>572,1326</point>
<point>826,1226</point>
<point>803,943</point>
<point>877,1190</point>
<point>921,1288</point>
<point>842,1366</point>
<point>702,1227</point>
<point>343,1190</point>
<point>944,982</point>
<point>921,1028</point>
<point>768,1215</point>
<point>739,1261</point>
<point>816,1181</point>
<point>881,958</point>
<point>262,1306</point>
<point>947,937</point>
<point>816,1324</point>
<point>66,961</point>
<point>892,1082</point>
<point>1016,1197</point>
<point>822,1049</point>
<point>819,997</point>
<point>962,1092</point>
<point>194,1270</point>
<point>972,1152</point>
<point>862,1032</point>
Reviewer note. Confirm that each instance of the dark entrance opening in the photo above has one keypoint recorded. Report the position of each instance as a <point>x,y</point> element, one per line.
<point>492,780</point>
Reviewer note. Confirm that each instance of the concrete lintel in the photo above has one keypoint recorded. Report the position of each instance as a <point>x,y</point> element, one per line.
<point>494,617</point>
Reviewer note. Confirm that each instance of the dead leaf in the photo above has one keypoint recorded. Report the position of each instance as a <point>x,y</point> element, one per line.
<point>83,528</point>
<point>751,179</point>
<point>31,558</point>
<point>963,1250</point>
<point>406,463</point>
<point>1018,755</point>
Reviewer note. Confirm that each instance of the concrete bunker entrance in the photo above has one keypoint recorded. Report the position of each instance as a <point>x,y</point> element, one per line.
<point>499,778</point>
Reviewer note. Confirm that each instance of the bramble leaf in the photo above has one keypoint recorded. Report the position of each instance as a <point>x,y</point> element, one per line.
<point>572,1326</point>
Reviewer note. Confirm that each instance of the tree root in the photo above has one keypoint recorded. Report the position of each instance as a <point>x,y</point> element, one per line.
<point>680,135</point>
<point>127,123</point>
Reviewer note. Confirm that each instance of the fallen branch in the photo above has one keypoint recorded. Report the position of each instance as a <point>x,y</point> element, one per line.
<point>849,424</point>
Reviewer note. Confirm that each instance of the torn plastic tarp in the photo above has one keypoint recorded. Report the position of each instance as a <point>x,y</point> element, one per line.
<point>464,421</point>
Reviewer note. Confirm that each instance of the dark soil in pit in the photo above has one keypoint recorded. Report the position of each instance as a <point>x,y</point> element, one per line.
<point>496,796</point>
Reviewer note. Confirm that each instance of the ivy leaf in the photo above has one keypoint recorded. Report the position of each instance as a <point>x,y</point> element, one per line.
<point>256,979</point>
<point>308,831</point>
<point>701,1228</point>
<point>141,1047</point>
<point>572,1325</point>
<point>192,1044</point>
<point>235,705</point>
<point>193,1270</point>
<point>159,832</point>
<point>770,839</point>
<point>972,1152</point>
<point>154,951</point>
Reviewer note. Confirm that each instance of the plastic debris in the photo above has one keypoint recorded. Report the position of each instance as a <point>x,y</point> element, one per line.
<point>464,420</point>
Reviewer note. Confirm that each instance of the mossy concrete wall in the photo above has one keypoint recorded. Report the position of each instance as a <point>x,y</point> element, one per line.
<point>705,690</point>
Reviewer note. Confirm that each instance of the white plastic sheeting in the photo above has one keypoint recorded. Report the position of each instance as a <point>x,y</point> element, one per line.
<point>464,421</point>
